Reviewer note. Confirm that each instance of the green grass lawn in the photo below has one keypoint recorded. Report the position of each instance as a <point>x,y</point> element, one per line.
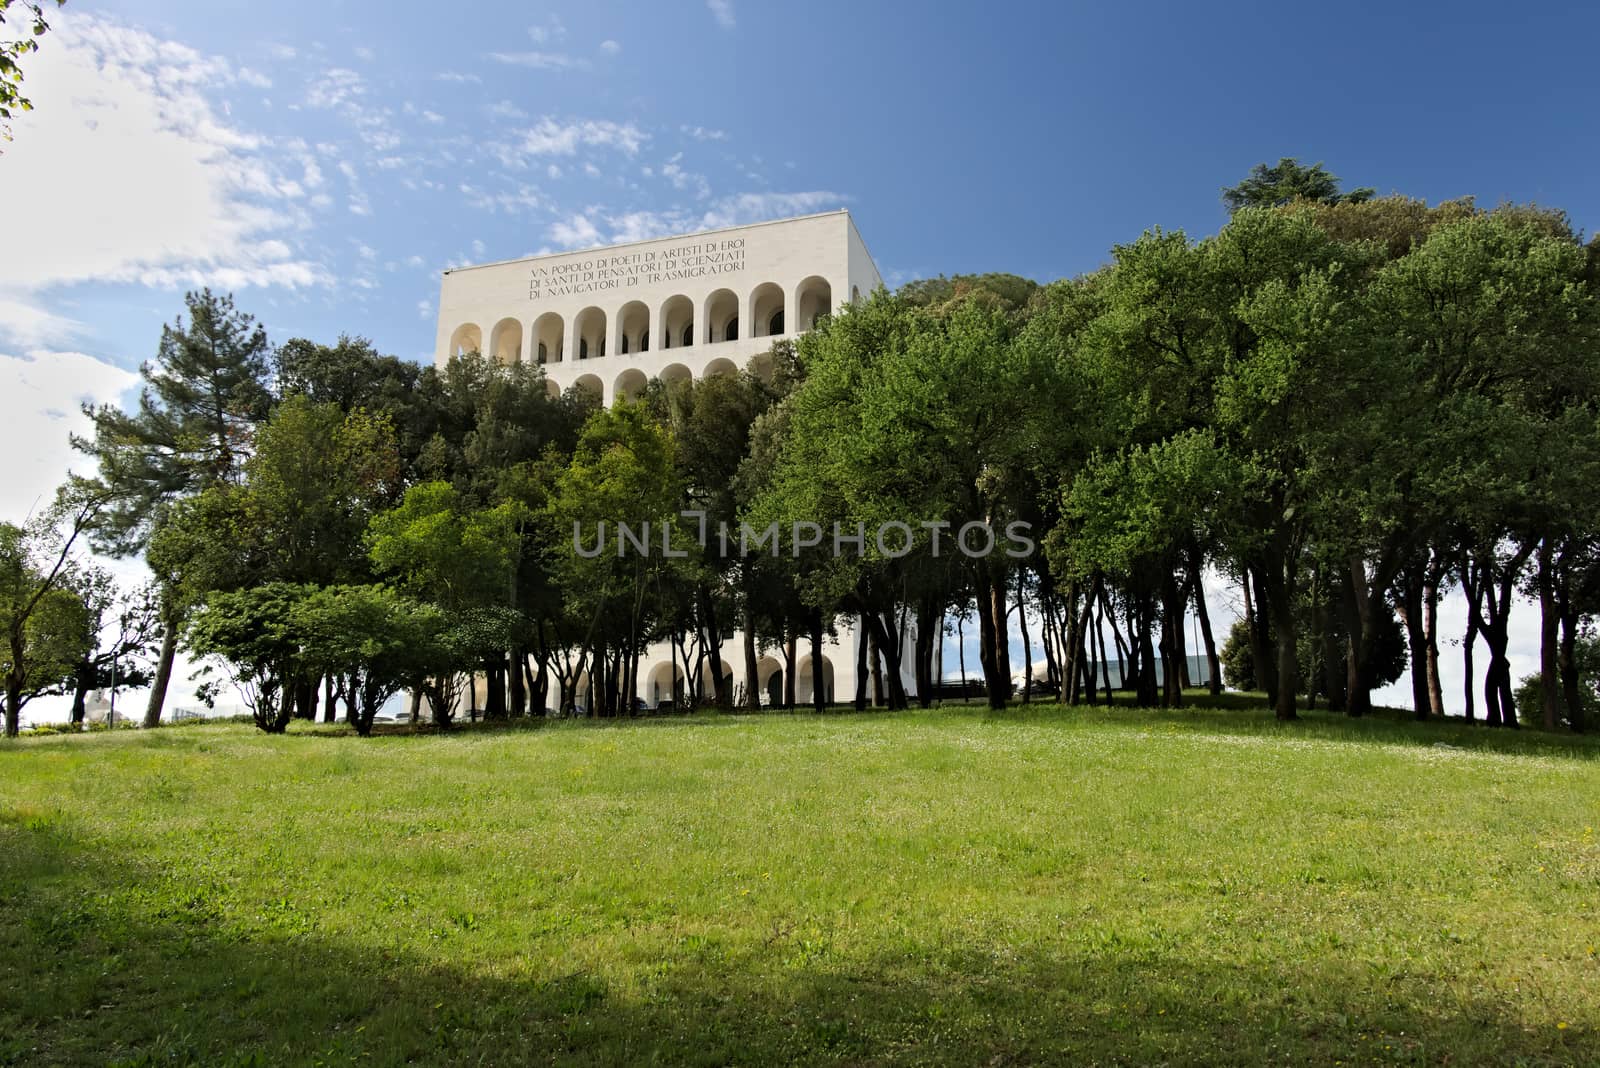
<point>950,887</point>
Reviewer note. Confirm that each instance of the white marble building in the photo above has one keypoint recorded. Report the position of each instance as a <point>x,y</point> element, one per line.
<point>610,319</point>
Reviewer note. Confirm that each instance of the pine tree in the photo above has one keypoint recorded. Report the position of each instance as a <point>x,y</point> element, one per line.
<point>203,394</point>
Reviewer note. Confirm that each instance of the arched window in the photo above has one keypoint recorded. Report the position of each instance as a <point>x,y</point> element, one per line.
<point>733,330</point>
<point>644,341</point>
<point>590,328</point>
<point>765,306</point>
<point>624,344</point>
<point>676,321</point>
<point>544,354</point>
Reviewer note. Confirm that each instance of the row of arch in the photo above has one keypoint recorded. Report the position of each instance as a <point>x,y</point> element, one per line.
<point>633,328</point>
<point>666,682</point>
<point>632,382</point>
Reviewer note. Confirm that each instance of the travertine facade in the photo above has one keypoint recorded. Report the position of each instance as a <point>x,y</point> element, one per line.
<point>610,319</point>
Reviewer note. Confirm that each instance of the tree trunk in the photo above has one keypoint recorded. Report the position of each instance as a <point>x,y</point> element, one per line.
<point>1213,662</point>
<point>994,653</point>
<point>719,686</point>
<point>305,698</point>
<point>1569,672</point>
<point>170,623</point>
<point>927,631</point>
<point>863,658</point>
<point>888,648</point>
<point>80,697</point>
<point>880,696</point>
<point>1410,609</point>
<point>516,681</point>
<point>1260,647</point>
<point>961,650</point>
<point>1549,640</point>
<point>819,667</point>
<point>752,665</point>
<point>789,666</point>
<point>1027,643</point>
<point>1430,616</point>
<point>1280,603</point>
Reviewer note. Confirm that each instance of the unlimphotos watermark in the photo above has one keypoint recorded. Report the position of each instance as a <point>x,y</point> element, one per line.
<point>892,539</point>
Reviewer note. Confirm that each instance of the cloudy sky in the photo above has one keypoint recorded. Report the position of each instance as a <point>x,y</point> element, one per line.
<point>326,161</point>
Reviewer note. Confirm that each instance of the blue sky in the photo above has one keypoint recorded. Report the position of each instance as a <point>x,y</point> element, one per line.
<point>964,137</point>
<point>325,161</point>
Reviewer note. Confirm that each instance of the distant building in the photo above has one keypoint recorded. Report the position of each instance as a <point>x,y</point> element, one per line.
<point>610,319</point>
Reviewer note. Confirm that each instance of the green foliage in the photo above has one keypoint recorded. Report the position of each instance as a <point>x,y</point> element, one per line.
<point>373,640</point>
<point>443,550</point>
<point>11,52</point>
<point>1586,662</point>
<point>44,618</point>
<point>201,399</point>
<point>1238,660</point>
<point>253,631</point>
<point>1287,181</point>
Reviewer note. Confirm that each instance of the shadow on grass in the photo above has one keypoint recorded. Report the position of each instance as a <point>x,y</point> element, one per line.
<point>108,960</point>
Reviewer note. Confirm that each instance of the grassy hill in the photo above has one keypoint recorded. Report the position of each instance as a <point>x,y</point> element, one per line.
<point>949,887</point>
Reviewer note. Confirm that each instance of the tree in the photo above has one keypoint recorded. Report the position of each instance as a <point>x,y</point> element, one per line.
<point>253,631</point>
<point>315,479</point>
<point>623,473</point>
<point>461,559</point>
<point>11,53</point>
<point>914,418</point>
<point>121,632</point>
<point>1286,181</point>
<point>201,399</point>
<point>43,620</point>
<point>373,640</point>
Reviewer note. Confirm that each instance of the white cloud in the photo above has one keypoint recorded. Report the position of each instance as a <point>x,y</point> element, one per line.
<point>540,60</point>
<point>338,87</point>
<point>722,11</point>
<point>701,133</point>
<point>458,78</point>
<point>610,47</point>
<point>133,176</point>
<point>682,179</point>
<point>736,210</point>
<point>505,109</point>
<point>549,137</point>
<point>424,309</point>
<point>550,31</point>
<point>28,324</point>
<point>576,232</point>
<point>40,398</point>
<point>522,198</point>
<point>755,207</point>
